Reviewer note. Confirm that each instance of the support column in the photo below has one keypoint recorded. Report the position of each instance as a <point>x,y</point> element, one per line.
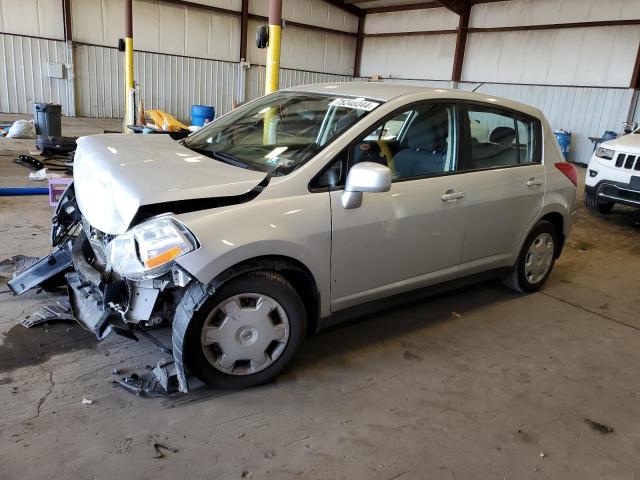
<point>461,43</point>
<point>272,76</point>
<point>129,116</point>
<point>635,84</point>
<point>69,58</point>
<point>244,27</point>
<point>273,49</point>
<point>359,41</point>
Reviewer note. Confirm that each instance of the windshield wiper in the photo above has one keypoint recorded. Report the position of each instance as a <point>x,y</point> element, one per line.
<point>223,157</point>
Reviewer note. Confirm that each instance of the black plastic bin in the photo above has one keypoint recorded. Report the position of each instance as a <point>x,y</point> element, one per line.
<point>48,118</point>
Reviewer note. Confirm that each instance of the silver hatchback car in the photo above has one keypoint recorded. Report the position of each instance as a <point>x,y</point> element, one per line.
<point>295,210</point>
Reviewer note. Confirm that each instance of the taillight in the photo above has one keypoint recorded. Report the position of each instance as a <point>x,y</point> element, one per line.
<point>569,170</point>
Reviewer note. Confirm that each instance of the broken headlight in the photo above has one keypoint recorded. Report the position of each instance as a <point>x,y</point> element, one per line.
<point>149,249</point>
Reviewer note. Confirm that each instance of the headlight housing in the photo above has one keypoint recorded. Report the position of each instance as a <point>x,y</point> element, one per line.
<point>605,153</point>
<point>148,250</point>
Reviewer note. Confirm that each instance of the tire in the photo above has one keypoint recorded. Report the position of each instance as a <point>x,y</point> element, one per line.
<point>245,331</point>
<point>521,277</point>
<point>594,205</point>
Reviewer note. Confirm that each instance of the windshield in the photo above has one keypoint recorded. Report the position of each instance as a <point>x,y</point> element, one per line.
<point>279,132</point>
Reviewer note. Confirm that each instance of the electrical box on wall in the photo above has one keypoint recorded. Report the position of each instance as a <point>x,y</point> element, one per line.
<point>55,70</point>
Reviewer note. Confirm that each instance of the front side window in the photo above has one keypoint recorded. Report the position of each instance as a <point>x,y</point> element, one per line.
<point>417,142</point>
<point>500,138</point>
<point>279,132</point>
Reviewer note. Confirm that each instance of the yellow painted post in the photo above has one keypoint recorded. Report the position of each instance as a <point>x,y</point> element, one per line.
<point>129,116</point>
<point>272,75</point>
<point>273,60</point>
<point>273,48</point>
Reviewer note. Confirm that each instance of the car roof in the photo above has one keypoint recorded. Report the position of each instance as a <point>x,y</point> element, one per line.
<point>386,91</point>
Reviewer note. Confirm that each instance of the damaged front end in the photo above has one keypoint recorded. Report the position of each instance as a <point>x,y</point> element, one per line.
<point>115,283</point>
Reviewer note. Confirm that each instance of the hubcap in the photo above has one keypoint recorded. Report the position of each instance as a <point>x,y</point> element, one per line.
<point>539,258</point>
<point>245,334</point>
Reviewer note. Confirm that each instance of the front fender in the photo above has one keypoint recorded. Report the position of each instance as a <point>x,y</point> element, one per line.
<point>296,227</point>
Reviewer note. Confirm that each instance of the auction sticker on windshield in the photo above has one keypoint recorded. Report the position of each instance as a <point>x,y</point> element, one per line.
<point>357,103</point>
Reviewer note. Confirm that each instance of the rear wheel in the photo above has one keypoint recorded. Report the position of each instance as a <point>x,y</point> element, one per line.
<point>247,332</point>
<point>594,205</point>
<point>536,259</point>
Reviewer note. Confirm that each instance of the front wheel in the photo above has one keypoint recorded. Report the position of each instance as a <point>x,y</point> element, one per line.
<point>536,259</point>
<point>596,206</point>
<point>246,332</point>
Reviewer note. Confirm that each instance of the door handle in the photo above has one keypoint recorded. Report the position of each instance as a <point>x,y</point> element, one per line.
<point>533,182</point>
<point>452,196</point>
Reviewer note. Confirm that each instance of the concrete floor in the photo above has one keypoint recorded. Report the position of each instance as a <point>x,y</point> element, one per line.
<point>505,390</point>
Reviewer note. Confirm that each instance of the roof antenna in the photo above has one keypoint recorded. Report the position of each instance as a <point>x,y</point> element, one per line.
<point>473,91</point>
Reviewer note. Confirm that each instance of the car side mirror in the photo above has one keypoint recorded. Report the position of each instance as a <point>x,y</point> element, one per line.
<point>365,177</point>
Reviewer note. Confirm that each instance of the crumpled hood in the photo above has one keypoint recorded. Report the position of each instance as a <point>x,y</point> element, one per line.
<point>114,175</point>
<point>627,143</point>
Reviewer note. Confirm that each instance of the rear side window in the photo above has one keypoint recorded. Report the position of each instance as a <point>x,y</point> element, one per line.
<point>501,138</point>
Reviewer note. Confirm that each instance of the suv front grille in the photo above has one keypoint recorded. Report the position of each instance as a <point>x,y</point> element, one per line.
<point>628,162</point>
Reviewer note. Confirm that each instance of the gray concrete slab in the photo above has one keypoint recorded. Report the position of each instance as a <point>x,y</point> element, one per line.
<point>505,390</point>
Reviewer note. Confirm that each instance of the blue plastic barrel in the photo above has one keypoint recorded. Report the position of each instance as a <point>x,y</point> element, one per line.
<point>564,140</point>
<point>201,114</point>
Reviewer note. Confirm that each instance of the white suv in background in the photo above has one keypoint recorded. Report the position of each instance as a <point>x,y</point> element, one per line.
<point>613,175</point>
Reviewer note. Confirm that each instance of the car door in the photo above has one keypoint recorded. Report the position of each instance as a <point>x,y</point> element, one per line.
<point>506,181</point>
<point>410,236</point>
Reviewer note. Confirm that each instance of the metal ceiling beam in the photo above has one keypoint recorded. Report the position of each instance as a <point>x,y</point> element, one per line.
<point>345,6</point>
<point>403,8</point>
<point>456,6</point>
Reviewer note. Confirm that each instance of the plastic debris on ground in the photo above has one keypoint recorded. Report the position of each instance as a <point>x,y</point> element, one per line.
<point>159,382</point>
<point>158,447</point>
<point>22,129</point>
<point>60,311</point>
<point>15,265</point>
<point>86,401</point>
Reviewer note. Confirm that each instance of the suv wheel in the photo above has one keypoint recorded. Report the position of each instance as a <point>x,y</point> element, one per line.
<point>536,259</point>
<point>594,205</point>
<point>246,332</point>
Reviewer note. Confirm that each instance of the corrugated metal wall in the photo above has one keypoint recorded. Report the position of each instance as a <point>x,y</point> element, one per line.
<point>23,73</point>
<point>290,78</point>
<point>415,56</point>
<point>185,54</point>
<point>586,56</point>
<point>161,27</point>
<point>594,56</point>
<point>170,83</point>
<point>305,49</point>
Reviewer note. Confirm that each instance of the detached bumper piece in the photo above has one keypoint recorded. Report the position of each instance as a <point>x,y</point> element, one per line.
<point>56,263</point>
<point>94,309</point>
<point>61,311</point>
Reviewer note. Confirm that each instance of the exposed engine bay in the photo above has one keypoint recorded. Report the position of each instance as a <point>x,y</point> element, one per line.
<point>102,299</point>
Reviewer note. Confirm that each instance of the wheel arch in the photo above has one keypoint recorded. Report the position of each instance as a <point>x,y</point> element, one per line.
<point>294,271</point>
<point>197,292</point>
<point>557,220</point>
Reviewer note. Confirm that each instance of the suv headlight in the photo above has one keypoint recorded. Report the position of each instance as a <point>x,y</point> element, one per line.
<point>605,153</point>
<point>149,249</point>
